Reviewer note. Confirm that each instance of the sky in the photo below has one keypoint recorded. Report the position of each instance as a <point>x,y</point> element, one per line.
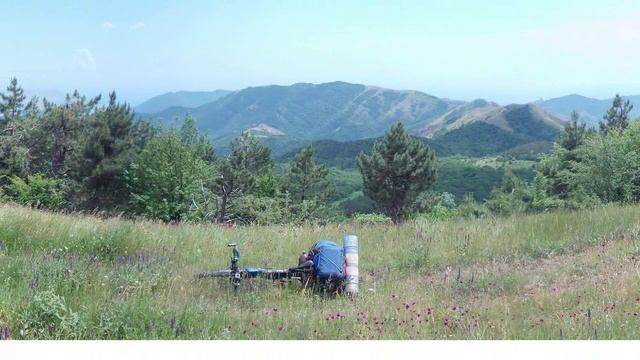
<point>504,51</point>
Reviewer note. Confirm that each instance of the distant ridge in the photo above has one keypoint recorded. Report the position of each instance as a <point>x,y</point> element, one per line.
<point>336,110</point>
<point>286,117</point>
<point>185,99</point>
<point>590,110</point>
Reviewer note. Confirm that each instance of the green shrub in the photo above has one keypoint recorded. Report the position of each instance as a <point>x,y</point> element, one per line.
<point>371,219</point>
<point>113,323</point>
<point>438,212</point>
<point>470,208</point>
<point>38,191</point>
<point>47,317</point>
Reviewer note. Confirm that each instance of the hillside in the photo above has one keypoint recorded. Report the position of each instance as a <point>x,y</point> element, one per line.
<point>516,130</point>
<point>287,117</point>
<point>338,110</point>
<point>464,114</point>
<point>560,275</point>
<point>179,99</point>
<point>590,110</point>
<point>527,120</point>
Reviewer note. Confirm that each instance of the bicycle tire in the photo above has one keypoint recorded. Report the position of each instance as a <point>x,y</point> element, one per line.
<point>217,274</point>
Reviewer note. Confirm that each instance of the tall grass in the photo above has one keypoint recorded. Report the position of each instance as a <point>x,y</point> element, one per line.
<point>516,277</point>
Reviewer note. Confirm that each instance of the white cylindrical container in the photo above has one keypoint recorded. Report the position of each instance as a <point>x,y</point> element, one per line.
<point>351,261</point>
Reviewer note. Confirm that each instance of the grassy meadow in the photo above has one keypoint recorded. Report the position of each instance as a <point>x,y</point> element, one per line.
<point>561,275</point>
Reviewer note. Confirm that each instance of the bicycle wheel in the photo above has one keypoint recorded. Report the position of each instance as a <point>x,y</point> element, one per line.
<point>218,274</point>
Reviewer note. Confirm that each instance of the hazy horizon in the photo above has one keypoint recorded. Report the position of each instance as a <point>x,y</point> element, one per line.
<point>461,50</point>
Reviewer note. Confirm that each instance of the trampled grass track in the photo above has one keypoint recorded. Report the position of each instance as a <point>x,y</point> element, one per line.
<point>570,275</point>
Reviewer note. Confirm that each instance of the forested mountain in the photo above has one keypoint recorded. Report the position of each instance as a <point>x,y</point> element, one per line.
<point>287,117</point>
<point>337,110</point>
<point>513,130</point>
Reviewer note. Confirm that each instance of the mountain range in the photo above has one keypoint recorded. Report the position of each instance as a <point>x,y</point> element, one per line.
<point>286,117</point>
<point>590,110</point>
<point>337,110</point>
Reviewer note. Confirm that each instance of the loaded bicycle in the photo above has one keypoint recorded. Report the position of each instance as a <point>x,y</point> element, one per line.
<point>326,266</point>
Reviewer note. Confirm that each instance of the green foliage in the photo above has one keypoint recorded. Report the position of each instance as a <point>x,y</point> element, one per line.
<point>259,210</point>
<point>459,175</point>
<point>603,167</point>
<point>357,203</point>
<point>427,201</point>
<point>37,191</point>
<point>239,172</point>
<point>481,139</point>
<point>113,323</point>
<point>305,180</point>
<point>512,197</point>
<point>470,208</point>
<point>437,212</point>
<point>541,200</point>
<point>398,169</point>
<point>573,135</point>
<point>617,117</point>
<point>610,165</point>
<point>170,180</point>
<point>11,103</point>
<point>48,317</point>
<point>80,155</point>
<point>109,146</point>
<point>372,219</point>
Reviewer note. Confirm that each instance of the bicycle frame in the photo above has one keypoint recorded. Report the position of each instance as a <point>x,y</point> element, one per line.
<point>235,270</point>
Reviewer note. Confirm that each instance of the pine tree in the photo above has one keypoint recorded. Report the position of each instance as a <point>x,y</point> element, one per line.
<point>190,135</point>
<point>238,172</point>
<point>109,147</point>
<point>305,179</point>
<point>617,117</point>
<point>573,135</point>
<point>60,133</point>
<point>398,169</point>
<point>12,102</point>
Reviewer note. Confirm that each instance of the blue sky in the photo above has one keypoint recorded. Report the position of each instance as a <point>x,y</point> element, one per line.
<point>506,51</point>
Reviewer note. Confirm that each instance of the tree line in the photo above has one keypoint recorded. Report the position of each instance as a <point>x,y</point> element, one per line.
<point>82,155</point>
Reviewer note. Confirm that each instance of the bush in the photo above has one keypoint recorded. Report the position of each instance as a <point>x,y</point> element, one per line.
<point>38,191</point>
<point>170,180</point>
<point>113,323</point>
<point>438,212</point>
<point>501,203</point>
<point>470,208</point>
<point>610,165</point>
<point>432,206</point>
<point>252,209</point>
<point>425,201</point>
<point>47,317</point>
<point>372,219</point>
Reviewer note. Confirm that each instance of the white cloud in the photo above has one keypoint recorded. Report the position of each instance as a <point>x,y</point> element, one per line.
<point>108,25</point>
<point>85,59</point>
<point>137,26</point>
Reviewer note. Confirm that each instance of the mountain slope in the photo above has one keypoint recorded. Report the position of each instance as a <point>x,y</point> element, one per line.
<point>523,120</point>
<point>517,130</point>
<point>184,99</point>
<point>337,110</point>
<point>287,117</point>
<point>590,110</point>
